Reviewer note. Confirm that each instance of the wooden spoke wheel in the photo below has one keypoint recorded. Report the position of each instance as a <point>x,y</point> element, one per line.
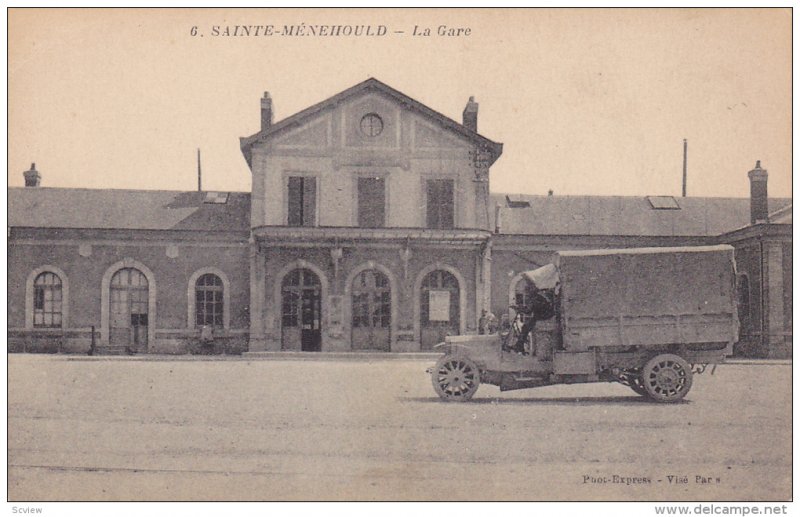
<point>667,378</point>
<point>455,379</point>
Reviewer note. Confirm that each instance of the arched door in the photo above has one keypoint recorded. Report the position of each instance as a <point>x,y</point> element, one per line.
<point>301,322</point>
<point>372,311</point>
<point>439,308</point>
<point>129,298</point>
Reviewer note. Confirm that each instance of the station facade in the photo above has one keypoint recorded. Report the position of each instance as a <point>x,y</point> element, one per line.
<point>370,226</point>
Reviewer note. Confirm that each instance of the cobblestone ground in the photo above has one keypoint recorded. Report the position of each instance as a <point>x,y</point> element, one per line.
<point>122,429</point>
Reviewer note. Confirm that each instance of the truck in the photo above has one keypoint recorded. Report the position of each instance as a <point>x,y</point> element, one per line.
<point>648,318</point>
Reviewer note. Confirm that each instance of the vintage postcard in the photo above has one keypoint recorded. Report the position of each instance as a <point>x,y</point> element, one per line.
<point>400,255</point>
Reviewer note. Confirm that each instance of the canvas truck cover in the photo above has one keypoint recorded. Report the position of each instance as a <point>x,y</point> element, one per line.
<point>648,296</point>
<point>545,277</point>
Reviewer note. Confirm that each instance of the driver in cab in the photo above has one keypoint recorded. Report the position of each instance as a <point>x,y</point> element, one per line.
<point>540,302</point>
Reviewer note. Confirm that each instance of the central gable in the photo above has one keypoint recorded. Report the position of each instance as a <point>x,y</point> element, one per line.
<point>370,115</point>
<point>371,120</point>
<point>368,120</point>
<point>315,133</point>
<point>428,136</point>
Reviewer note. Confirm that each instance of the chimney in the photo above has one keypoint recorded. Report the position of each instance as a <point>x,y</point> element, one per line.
<point>470,115</point>
<point>758,195</point>
<point>32,177</point>
<point>266,112</point>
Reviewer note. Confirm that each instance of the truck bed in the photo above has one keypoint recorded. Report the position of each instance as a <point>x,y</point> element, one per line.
<point>648,297</point>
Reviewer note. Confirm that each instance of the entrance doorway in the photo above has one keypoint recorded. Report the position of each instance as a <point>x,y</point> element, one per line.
<point>301,322</point>
<point>372,311</point>
<point>129,298</point>
<point>439,308</point>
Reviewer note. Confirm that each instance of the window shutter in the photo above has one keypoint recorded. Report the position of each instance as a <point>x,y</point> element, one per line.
<point>309,201</point>
<point>295,201</point>
<point>446,204</point>
<point>440,203</point>
<point>432,204</point>
<point>371,202</point>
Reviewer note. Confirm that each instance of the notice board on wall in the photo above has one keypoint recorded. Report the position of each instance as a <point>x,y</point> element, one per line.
<point>438,305</point>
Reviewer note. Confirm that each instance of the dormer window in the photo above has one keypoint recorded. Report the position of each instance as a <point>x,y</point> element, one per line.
<point>663,203</point>
<point>371,125</point>
<point>517,202</point>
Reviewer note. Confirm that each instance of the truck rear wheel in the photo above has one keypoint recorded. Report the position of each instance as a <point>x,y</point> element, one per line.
<point>667,378</point>
<point>455,379</point>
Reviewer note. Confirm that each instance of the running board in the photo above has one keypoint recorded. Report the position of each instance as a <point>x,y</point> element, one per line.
<point>510,382</point>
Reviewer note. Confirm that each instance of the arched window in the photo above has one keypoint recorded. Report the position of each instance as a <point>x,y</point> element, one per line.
<point>47,310</point>
<point>209,301</point>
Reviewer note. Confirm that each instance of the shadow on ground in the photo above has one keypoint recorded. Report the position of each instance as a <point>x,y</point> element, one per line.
<point>550,401</point>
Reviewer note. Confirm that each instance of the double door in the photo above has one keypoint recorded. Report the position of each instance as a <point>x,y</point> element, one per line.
<point>371,311</point>
<point>129,313</point>
<point>301,327</point>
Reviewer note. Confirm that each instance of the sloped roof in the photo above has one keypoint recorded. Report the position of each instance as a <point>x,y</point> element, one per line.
<point>624,215</point>
<point>247,143</point>
<point>42,207</point>
<point>782,215</point>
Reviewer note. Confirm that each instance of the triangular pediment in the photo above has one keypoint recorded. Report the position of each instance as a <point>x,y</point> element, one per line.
<point>426,136</point>
<point>434,120</point>
<point>315,133</point>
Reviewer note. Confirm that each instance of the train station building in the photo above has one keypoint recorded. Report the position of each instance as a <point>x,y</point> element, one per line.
<point>370,225</point>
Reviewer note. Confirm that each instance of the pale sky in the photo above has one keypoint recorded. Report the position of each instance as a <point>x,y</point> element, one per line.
<point>585,101</point>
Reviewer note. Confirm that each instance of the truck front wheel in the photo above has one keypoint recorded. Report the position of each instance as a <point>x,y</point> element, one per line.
<point>667,378</point>
<point>455,379</point>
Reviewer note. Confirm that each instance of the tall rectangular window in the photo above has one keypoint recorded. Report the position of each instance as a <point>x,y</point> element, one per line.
<point>371,202</point>
<point>440,203</point>
<point>302,201</point>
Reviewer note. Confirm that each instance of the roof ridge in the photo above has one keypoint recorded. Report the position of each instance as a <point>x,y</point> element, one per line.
<point>89,189</point>
<point>629,196</point>
<point>781,209</point>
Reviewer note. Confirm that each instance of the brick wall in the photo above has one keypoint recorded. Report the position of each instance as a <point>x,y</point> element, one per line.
<point>405,335</point>
<point>85,261</point>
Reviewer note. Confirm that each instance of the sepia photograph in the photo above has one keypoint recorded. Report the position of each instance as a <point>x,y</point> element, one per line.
<point>437,255</point>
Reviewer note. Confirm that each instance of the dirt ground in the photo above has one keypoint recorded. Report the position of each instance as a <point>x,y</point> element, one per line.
<point>119,429</point>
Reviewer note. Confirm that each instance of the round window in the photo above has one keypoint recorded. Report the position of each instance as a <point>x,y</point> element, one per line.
<point>371,124</point>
